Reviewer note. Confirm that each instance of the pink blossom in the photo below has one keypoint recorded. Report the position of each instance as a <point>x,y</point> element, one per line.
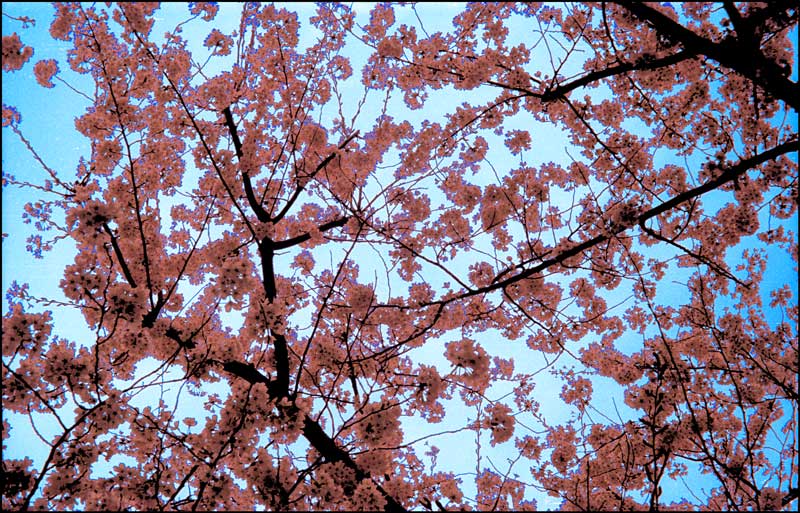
<point>15,54</point>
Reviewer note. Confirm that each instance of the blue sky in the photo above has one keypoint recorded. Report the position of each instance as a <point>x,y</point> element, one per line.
<point>48,116</point>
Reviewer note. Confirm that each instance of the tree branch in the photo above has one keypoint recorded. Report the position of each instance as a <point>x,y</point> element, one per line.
<point>281,365</point>
<point>261,214</point>
<point>319,168</point>
<point>312,431</point>
<point>728,175</point>
<point>237,143</point>
<point>717,268</point>
<point>150,318</point>
<point>266,247</point>
<point>117,251</point>
<point>733,53</point>
<point>246,371</point>
<point>325,445</point>
<point>288,243</point>
<point>644,63</point>
<point>793,494</point>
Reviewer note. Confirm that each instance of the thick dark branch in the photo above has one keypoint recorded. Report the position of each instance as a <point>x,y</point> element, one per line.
<point>279,388</point>
<point>266,247</point>
<point>782,14</point>
<point>175,335</point>
<point>735,17</point>
<point>261,214</point>
<point>793,494</point>
<point>150,318</point>
<point>642,64</point>
<point>319,168</point>
<point>246,371</point>
<point>117,251</point>
<point>728,175</point>
<point>736,54</point>
<point>328,449</point>
<point>312,431</point>
<point>288,243</point>
<point>237,144</point>
<point>281,365</point>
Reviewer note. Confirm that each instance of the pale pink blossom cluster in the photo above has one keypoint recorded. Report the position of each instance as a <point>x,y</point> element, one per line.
<point>266,316</point>
<point>455,225</point>
<point>209,9</point>
<point>577,391</point>
<point>381,19</point>
<point>178,65</point>
<point>501,423</point>
<point>461,193</point>
<point>374,462</point>
<point>481,274</point>
<point>136,15</point>
<point>90,218</point>
<point>65,19</point>
<point>77,281</point>
<point>495,207</point>
<point>219,42</point>
<point>126,302</point>
<point>519,79</point>
<point>449,488</point>
<point>330,480</point>
<point>391,47</point>
<point>366,497</point>
<point>380,426</point>
<point>24,330</point>
<point>109,413</point>
<point>106,155</point>
<point>45,71</point>
<point>431,387</point>
<point>745,220</point>
<point>474,73</point>
<point>518,140</point>
<point>15,54</point>
<point>250,162</point>
<point>304,261</point>
<point>360,297</point>
<point>562,440</point>
<point>468,356</point>
<point>10,116</point>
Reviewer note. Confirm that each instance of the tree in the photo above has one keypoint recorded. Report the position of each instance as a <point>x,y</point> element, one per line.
<point>238,206</point>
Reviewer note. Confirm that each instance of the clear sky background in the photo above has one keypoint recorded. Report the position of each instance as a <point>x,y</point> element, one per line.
<point>48,122</point>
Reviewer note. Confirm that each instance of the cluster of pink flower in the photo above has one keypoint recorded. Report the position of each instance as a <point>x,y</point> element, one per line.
<point>89,220</point>
<point>577,391</point>
<point>230,281</point>
<point>45,71</point>
<point>209,9</point>
<point>24,331</point>
<point>15,54</point>
<point>468,356</point>
<point>219,42</point>
<point>379,426</point>
<point>500,423</point>
<point>562,440</point>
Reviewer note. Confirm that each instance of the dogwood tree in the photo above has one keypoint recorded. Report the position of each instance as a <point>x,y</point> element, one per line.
<point>324,231</point>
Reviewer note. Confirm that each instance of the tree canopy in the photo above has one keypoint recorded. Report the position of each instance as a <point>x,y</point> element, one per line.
<point>310,244</point>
